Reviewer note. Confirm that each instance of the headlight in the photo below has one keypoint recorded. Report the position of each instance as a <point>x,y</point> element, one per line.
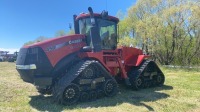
<point>26,67</point>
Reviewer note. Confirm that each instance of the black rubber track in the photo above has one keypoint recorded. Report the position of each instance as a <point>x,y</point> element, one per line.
<point>73,75</point>
<point>147,66</point>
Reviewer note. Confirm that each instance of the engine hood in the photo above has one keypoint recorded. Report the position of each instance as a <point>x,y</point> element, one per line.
<point>57,48</point>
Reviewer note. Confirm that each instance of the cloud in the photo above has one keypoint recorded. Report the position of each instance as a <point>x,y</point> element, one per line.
<point>11,51</point>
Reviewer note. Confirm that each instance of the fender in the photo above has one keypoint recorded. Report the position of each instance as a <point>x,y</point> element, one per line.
<point>141,58</point>
<point>64,63</point>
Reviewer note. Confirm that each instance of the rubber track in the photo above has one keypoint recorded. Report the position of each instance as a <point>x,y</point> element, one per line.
<point>71,75</point>
<point>145,64</point>
<point>63,82</point>
<point>138,72</point>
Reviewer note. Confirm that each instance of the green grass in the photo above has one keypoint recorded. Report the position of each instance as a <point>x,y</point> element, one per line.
<point>181,93</point>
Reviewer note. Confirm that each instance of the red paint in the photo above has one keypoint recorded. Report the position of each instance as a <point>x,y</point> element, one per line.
<point>122,58</point>
<point>56,55</point>
<point>132,56</point>
<point>141,58</point>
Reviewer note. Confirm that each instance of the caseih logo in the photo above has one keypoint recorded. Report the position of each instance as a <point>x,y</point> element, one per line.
<point>55,47</point>
<point>75,41</point>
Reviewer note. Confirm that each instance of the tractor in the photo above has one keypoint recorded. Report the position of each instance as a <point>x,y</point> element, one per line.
<point>87,65</point>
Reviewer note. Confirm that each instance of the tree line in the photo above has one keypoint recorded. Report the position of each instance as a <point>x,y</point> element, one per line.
<point>169,30</point>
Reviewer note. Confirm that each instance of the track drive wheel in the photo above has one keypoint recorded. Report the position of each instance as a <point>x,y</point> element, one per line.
<point>71,94</point>
<point>110,88</point>
<point>90,72</point>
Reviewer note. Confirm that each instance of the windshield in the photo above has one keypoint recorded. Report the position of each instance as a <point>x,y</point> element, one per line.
<point>107,31</point>
<point>84,26</point>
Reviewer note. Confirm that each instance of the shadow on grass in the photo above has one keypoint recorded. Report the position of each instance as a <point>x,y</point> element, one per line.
<point>44,103</point>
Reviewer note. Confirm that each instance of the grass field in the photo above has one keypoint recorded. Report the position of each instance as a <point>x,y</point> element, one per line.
<point>181,93</point>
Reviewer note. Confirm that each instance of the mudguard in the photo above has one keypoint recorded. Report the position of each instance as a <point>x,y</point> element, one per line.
<point>141,58</point>
<point>64,63</point>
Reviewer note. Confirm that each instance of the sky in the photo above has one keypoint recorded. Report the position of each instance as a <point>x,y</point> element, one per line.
<point>25,20</point>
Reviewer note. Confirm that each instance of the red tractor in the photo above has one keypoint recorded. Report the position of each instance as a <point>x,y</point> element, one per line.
<point>87,65</point>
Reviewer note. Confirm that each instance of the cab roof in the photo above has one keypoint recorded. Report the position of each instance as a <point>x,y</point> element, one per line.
<point>96,15</point>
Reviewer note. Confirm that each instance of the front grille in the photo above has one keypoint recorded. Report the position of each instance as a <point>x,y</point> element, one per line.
<point>32,56</point>
<point>35,56</point>
<point>33,50</point>
<point>27,56</point>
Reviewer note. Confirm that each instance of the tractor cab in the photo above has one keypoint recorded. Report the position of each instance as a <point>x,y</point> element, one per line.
<point>100,30</point>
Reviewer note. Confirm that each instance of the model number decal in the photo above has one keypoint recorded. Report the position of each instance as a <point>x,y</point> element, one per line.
<point>54,47</point>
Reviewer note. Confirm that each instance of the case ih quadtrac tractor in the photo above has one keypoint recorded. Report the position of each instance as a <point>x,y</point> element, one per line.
<point>87,65</point>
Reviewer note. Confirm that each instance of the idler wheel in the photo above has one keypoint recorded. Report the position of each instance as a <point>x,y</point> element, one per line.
<point>84,96</point>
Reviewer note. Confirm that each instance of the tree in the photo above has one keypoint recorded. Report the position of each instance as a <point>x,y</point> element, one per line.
<point>167,29</point>
<point>64,33</point>
<point>70,32</point>
<point>60,33</point>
